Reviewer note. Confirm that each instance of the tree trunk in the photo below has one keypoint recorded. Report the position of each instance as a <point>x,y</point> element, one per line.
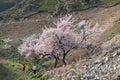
<point>56,61</point>
<point>64,57</point>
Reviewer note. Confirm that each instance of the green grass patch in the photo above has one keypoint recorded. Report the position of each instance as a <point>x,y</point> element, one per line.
<point>47,5</point>
<point>12,70</point>
<point>11,64</point>
<point>109,3</point>
<point>8,70</point>
<point>111,32</point>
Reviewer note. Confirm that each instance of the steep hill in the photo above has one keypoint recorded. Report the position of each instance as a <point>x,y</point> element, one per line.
<point>27,8</point>
<point>35,14</point>
<point>105,17</point>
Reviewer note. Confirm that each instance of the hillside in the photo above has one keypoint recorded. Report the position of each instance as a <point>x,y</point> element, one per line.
<point>12,70</point>
<point>26,8</point>
<point>105,17</point>
<point>100,61</point>
<point>9,70</point>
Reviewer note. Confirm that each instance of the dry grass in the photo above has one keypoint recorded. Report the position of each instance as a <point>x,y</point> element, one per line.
<point>23,29</point>
<point>18,29</point>
<point>111,32</point>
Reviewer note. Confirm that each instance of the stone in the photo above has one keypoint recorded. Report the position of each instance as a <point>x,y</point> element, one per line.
<point>109,50</point>
<point>98,62</point>
<point>107,59</point>
<point>116,54</point>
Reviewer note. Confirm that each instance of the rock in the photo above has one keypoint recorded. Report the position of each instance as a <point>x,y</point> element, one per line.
<point>98,62</point>
<point>100,69</point>
<point>116,54</point>
<point>110,50</point>
<point>100,65</point>
<point>107,59</point>
<point>118,77</point>
<point>113,48</point>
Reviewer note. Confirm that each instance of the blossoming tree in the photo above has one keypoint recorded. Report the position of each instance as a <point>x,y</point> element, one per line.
<point>58,41</point>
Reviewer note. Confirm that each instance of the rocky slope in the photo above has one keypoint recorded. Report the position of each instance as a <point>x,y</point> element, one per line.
<point>106,66</point>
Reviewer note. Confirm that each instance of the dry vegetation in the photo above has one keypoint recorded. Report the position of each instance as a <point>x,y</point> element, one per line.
<point>105,17</point>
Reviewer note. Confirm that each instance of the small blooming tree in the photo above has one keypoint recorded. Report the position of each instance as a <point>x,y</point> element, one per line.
<point>56,42</point>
